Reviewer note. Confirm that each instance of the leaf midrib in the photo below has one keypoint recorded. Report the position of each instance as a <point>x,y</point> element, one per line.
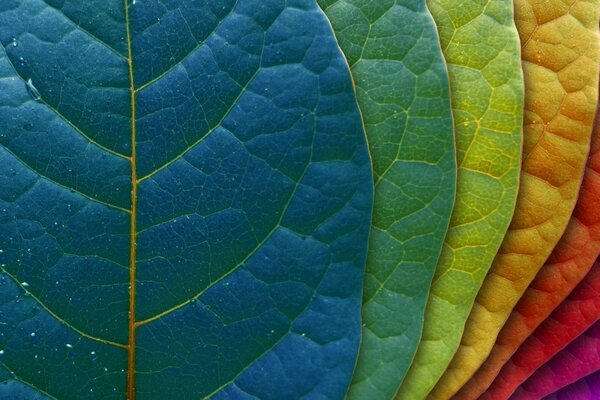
<point>133,233</point>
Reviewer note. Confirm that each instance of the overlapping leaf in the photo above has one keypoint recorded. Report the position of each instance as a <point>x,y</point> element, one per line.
<point>579,359</point>
<point>184,184</point>
<point>576,314</point>
<point>569,263</point>
<point>560,62</point>
<point>480,45</point>
<point>402,90</point>
<point>587,388</point>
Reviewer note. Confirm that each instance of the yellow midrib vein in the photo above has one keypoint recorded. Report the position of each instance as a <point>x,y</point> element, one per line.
<point>132,243</point>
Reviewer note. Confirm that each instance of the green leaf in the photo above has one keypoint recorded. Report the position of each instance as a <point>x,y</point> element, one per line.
<point>186,185</point>
<point>402,90</point>
<point>481,46</point>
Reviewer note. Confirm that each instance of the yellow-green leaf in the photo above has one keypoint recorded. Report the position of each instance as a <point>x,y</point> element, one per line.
<point>560,63</point>
<point>481,48</point>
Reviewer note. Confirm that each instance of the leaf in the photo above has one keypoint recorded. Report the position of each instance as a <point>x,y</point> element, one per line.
<point>587,388</point>
<point>579,359</point>
<point>568,264</point>
<point>486,91</point>
<point>560,66</point>
<point>576,314</point>
<point>208,154</point>
<point>402,90</point>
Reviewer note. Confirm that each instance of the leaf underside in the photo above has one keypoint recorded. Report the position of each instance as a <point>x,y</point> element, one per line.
<point>237,143</point>
<point>402,89</point>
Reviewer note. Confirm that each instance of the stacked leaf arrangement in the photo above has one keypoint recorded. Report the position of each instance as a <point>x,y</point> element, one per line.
<point>301,199</point>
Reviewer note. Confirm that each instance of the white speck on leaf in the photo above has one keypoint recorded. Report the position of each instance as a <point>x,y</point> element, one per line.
<point>24,284</point>
<point>69,345</point>
<point>32,90</point>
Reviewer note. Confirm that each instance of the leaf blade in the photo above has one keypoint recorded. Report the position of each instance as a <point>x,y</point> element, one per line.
<point>568,265</point>
<point>559,115</point>
<point>402,90</point>
<point>571,319</point>
<point>486,92</point>
<point>261,211</point>
<point>578,360</point>
<point>587,388</point>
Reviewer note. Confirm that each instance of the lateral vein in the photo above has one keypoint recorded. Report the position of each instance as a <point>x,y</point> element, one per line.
<point>56,317</point>
<point>41,100</point>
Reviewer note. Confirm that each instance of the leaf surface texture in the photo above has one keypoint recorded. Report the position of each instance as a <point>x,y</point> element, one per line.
<point>579,359</point>
<point>587,388</point>
<point>568,264</point>
<point>560,56</point>
<point>186,183</point>
<point>480,46</point>
<point>402,90</point>
<point>571,319</point>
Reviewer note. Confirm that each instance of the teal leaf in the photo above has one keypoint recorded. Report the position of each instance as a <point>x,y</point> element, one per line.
<point>186,201</point>
<point>402,89</point>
